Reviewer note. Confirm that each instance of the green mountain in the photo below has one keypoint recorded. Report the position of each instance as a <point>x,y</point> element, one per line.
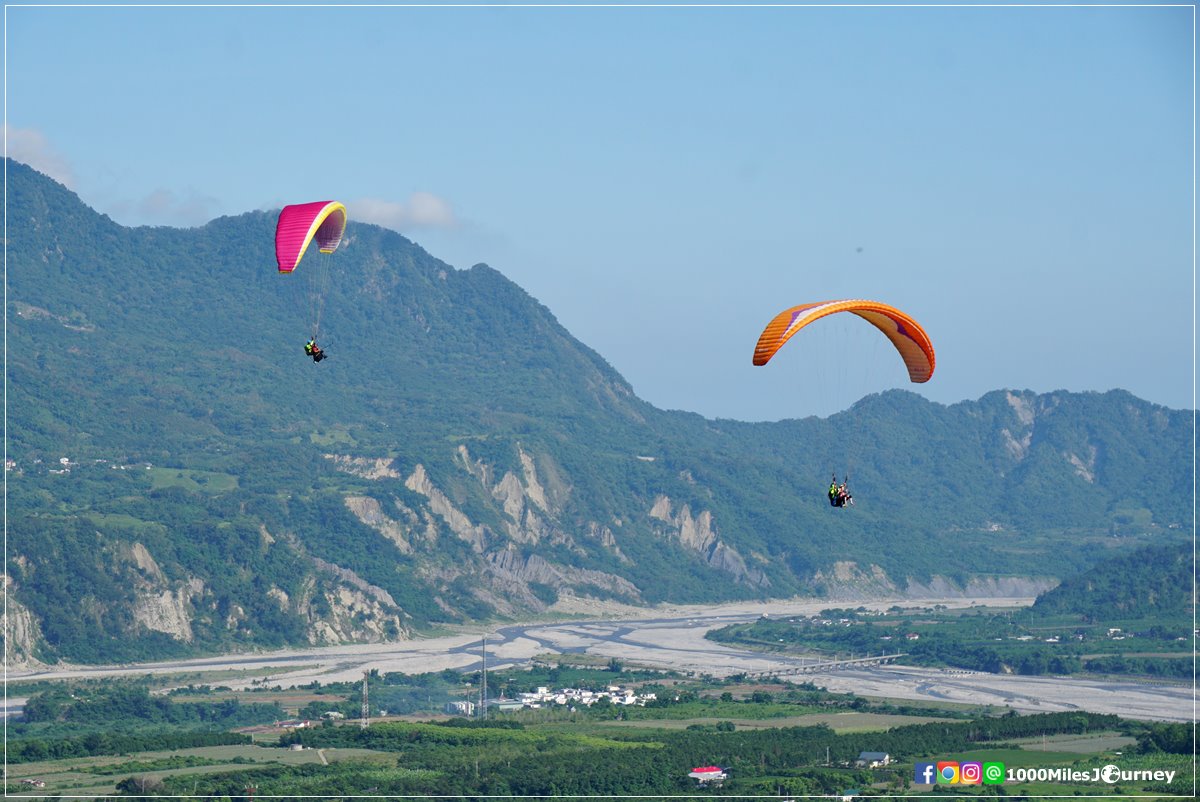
<point>1156,582</point>
<point>183,479</point>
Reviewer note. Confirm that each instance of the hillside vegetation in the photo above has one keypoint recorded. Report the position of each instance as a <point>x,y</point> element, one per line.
<point>1129,614</point>
<point>183,480</point>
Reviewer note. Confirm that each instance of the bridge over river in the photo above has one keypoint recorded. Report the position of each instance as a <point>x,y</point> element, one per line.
<point>817,665</point>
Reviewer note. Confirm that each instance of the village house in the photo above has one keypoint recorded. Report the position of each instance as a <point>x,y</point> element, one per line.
<point>709,775</point>
<point>505,705</point>
<point>463,708</point>
<point>582,696</point>
<point>293,724</point>
<point>873,760</point>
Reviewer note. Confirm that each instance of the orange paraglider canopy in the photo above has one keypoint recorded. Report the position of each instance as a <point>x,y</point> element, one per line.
<point>906,334</point>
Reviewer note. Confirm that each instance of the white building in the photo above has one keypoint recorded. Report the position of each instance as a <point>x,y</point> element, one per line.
<point>463,708</point>
<point>873,760</point>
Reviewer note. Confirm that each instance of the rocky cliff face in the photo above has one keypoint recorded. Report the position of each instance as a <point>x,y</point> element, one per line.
<point>509,571</point>
<point>370,512</point>
<point>337,604</point>
<point>162,606</point>
<point>20,629</point>
<point>366,467</point>
<point>1029,410</point>
<point>506,572</point>
<point>698,534</point>
<point>848,581</point>
<point>439,504</point>
<point>353,610</point>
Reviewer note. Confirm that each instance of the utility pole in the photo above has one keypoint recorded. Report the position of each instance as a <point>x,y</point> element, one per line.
<point>366,708</point>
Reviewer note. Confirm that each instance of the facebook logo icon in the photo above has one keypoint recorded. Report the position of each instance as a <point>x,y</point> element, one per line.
<point>925,774</point>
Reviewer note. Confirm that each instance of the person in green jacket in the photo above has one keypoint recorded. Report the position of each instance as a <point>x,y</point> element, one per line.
<point>312,349</point>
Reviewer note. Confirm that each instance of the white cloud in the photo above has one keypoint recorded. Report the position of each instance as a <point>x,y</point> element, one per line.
<point>421,210</point>
<point>31,147</point>
<point>163,207</point>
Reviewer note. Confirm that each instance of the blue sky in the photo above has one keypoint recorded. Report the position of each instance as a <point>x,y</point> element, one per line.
<point>665,180</point>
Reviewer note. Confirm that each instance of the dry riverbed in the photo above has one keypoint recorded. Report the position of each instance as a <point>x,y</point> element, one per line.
<point>670,637</point>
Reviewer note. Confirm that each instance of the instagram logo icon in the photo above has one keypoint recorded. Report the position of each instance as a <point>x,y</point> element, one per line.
<point>971,773</point>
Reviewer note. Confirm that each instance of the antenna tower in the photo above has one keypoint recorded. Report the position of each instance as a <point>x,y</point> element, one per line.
<point>483,684</point>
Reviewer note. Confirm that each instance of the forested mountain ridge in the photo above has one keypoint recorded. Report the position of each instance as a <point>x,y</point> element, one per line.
<point>461,455</point>
<point>1153,582</point>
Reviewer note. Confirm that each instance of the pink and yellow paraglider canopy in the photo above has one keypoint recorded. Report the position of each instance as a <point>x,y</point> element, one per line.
<point>905,333</point>
<point>300,223</point>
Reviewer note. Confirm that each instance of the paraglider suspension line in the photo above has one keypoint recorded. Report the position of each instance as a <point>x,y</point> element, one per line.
<point>318,286</point>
